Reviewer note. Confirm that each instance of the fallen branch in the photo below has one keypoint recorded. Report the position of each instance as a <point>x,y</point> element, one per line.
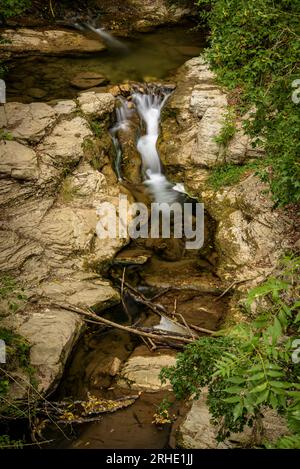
<point>91,315</point>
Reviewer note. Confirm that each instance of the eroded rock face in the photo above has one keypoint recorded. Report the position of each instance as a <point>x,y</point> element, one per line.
<point>31,42</point>
<point>194,118</point>
<point>250,235</point>
<point>49,196</point>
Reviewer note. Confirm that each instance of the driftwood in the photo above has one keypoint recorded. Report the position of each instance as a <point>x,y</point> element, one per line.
<point>91,315</point>
<point>160,309</point>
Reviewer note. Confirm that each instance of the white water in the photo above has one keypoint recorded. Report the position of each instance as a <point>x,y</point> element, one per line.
<point>110,40</point>
<point>149,107</point>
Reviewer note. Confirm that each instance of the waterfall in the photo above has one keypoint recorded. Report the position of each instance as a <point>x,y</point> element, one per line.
<point>148,106</point>
<point>123,114</point>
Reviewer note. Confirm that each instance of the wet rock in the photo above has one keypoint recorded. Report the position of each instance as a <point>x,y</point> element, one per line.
<point>157,12</point>
<point>37,93</point>
<point>31,42</point>
<point>141,371</point>
<point>100,104</point>
<point>197,431</point>
<point>86,80</point>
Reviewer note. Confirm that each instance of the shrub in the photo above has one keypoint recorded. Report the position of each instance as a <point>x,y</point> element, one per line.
<point>250,366</point>
<point>10,8</point>
<point>255,48</point>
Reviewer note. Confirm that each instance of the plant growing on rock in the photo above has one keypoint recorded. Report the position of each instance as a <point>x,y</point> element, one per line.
<point>250,366</point>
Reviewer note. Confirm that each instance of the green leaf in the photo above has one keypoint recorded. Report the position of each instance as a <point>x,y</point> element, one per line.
<point>259,388</point>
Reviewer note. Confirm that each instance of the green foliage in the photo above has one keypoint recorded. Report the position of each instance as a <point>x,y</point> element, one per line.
<point>5,135</point>
<point>10,8</point>
<point>255,49</point>
<point>229,174</point>
<point>7,443</point>
<point>12,296</point>
<point>96,127</point>
<point>252,366</point>
<point>228,129</point>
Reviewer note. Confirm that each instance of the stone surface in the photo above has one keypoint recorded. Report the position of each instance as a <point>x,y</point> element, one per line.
<point>52,334</point>
<point>194,119</point>
<point>141,371</point>
<point>26,122</point>
<point>49,197</point>
<point>197,432</point>
<point>96,103</point>
<point>86,80</point>
<point>17,161</point>
<point>32,42</point>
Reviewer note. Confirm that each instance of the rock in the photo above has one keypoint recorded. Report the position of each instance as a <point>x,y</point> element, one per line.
<point>79,290</point>
<point>194,118</point>
<point>141,371</point>
<point>25,41</point>
<point>115,366</point>
<point>26,122</point>
<point>86,80</point>
<point>64,107</point>
<point>197,432</point>
<point>65,140</point>
<point>156,12</point>
<point>100,104</point>
<point>17,161</point>
<point>52,333</point>
<point>251,236</point>
<point>49,196</point>
<point>37,93</point>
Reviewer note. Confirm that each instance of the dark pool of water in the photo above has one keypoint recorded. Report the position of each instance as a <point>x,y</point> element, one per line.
<point>152,55</point>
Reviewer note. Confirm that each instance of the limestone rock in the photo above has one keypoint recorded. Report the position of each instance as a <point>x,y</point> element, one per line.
<point>26,122</point>
<point>17,161</point>
<point>96,103</point>
<point>25,41</point>
<point>141,371</point>
<point>65,141</point>
<point>64,107</point>
<point>195,116</point>
<point>86,80</point>
<point>52,333</point>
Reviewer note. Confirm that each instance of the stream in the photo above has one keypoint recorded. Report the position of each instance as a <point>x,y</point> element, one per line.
<point>182,280</point>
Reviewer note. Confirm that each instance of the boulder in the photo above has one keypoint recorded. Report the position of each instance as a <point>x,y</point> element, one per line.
<point>99,104</point>
<point>141,371</point>
<point>86,80</point>
<point>49,197</point>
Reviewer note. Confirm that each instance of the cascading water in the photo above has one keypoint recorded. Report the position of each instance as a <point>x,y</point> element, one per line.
<point>123,114</point>
<point>148,106</point>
